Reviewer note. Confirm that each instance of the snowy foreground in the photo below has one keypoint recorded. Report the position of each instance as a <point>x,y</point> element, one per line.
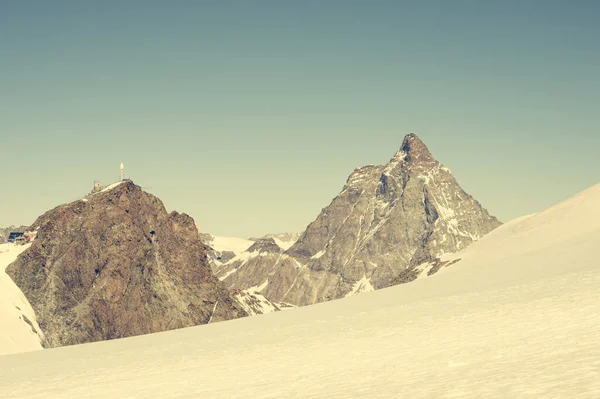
<point>517,317</point>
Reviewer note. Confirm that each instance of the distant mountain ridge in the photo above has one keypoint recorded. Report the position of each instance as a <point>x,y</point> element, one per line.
<point>387,220</point>
<point>283,240</point>
<point>223,250</point>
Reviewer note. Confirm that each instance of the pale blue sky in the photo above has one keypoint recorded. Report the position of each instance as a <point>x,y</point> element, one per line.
<point>250,115</point>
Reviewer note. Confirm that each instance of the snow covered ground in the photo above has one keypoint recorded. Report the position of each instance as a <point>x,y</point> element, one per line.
<point>517,317</point>
<point>233,244</point>
<point>18,327</point>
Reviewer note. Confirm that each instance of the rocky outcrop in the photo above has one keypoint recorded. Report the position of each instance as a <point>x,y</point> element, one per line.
<point>386,221</point>
<point>116,264</point>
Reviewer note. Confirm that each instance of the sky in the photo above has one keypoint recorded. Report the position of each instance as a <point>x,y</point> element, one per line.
<point>250,115</point>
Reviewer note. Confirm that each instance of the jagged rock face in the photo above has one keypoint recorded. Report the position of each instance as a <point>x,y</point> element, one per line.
<point>387,220</point>
<point>117,265</point>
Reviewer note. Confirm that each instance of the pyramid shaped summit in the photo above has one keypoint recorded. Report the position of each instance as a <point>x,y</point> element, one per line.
<point>386,223</point>
<point>414,148</point>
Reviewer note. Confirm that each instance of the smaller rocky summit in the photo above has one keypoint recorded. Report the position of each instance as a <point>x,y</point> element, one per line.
<point>266,245</point>
<point>116,264</point>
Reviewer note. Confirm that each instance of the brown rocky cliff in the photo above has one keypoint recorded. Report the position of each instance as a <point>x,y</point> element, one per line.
<point>117,265</point>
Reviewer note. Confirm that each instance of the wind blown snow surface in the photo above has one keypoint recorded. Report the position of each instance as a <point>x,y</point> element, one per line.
<point>517,317</point>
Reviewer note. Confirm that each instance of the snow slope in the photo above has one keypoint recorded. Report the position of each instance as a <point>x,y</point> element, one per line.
<point>517,317</point>
<point>16,334</point>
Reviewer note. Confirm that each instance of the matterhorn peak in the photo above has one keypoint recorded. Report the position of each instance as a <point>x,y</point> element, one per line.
<point>386,222</point>
<point>415,149</point>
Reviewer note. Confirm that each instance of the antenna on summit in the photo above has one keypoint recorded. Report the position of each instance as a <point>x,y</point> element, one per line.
<point>122,172</point>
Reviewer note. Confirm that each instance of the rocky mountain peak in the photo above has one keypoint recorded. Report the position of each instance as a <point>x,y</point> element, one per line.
<point>386,221</point>
<point>117,264</point>
<point>412,152</point>
<point>415,149</point>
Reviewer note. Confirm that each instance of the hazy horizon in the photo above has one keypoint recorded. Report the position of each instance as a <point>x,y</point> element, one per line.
<point>250,117</point>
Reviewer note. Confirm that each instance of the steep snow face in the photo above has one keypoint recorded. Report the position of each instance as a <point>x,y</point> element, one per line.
<point>572,226</point>
<point>515,317</point>
<point>19,331</point>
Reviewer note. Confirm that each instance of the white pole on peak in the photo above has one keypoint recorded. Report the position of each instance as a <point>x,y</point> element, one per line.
<point>122,172</point>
